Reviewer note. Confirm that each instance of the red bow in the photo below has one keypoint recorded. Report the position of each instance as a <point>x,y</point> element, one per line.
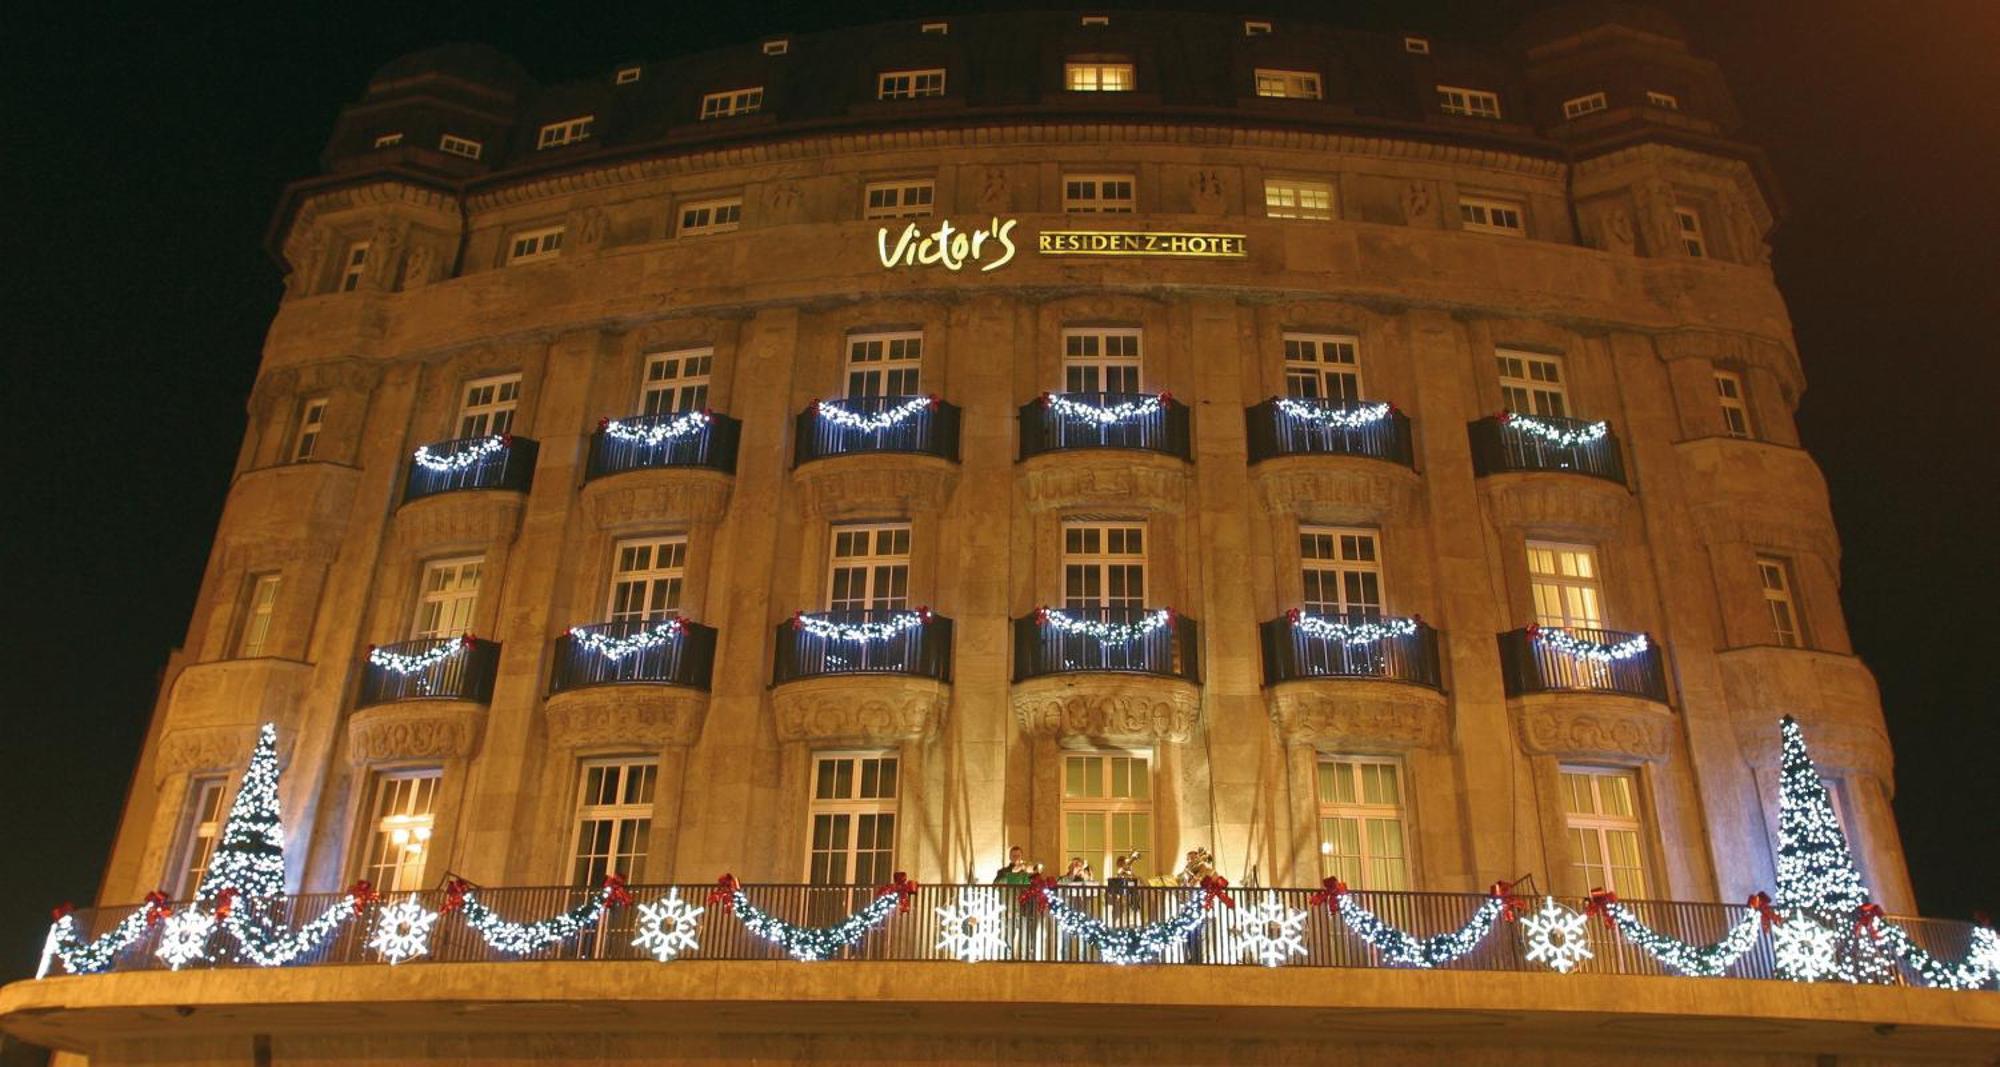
<point>1760,902</point>
<point>1505,417</point>
<point>225,901</point>
<point>454,895</point>
<point>934,402</point>
<point>157,907</point>
<point>1329,893</point>
<point>1865,917</point>
<point>1173,622</point>
<point>62,910</point>
<point>615,893</point>
<point>362,893</point>
<point>724,894</point>
<point>1213,889</point>
<point>604,424</point>
<point>798,620</point>
<point>506,440</point>
<point>1045,399</point>
<point>1041,616</point>
<point>1166,398</point>
<point>905,889</point>
<point>1599,905</point>
<point>1534,631</point>
<point>1511,906</point>
<point>1036,896</point>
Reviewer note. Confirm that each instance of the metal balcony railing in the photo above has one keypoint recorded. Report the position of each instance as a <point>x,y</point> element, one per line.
<point>1507,443</point>
<point>634,651</point>
<point>644,442</point>
<point>1537,661</point>
<point>1291,426</point>
<point>499,461</point>
<point>430,668</point>
<point>862,642</point>
<point>1133,640</point>
<point>1149,422</point>
<point>1293,652</point>
<point>925,426</point>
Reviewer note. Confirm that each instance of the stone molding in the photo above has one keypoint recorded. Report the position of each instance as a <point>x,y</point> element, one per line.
<point>1118,709</point>
<point>1339,490</point>
<point>678,495</point>
<point>1594,726</point>
<point>1359,715</point>
<point>1832,695</point>
<point>1569,505</point>
<point>426,729</point>
<point>875,484</point>
<point>632,715</point>
<point>236,693</point>
<point>208,748</point>
<point>1740,520</point>
<point>462,517</point>
<point>286,513</point>
<point>1125,478</point>
<point>862,710</point>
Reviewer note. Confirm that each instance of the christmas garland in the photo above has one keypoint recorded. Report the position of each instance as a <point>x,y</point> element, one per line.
<point>1350,633</point>
<point>522,938</point>
<point>810,943</point>
<point>402,663</point>
<point>1980,967</point>
<point>617,648</point>
<point>261,944</point>
<point>1401,947</point>
<point>1102,416</point>
<point>1704,961</point>
<point>654,434</point>
<point>1577,648</point>
<point>832,412</point>
<point>1131,944</point>
<point>1106,631</point>
<point>1335,417</point>
<point>91,957</point>
<point>1535,427</point>
<point>860,631</point>
<point>468,456</point>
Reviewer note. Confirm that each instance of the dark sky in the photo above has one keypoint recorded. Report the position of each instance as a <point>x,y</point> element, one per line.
<point>143,158</point>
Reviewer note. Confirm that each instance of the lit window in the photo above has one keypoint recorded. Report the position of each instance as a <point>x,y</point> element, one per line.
<point>627,75</point>
<point>389,140</point>
<point>305,439</point>
<point>353,266</point>
<point>1107,810</point>
<point>853,819</point>
<point>1095,77</point>
<point>1483,215</point>
<point>1293,198</point>
<point>260,603</point>
<point>614,818</point>
<point>1097,20</point>
<point>1565,584</point>
<point>732,102</point>
<point>777,47</point>
<point>529,246</point>
<point>938,28</point>
<point>1099,194</point>
<point>1583,105</point>
<point>1474,103</point>
<point>1417,46</point>
<point>1689,222</point>
<point>568,131</point>
<point>646,578</point>
<point>676,381</point>
<point>460,146</point>
<point>405,811</point>
<point>899,199</point>
<point>1101,360</point>
<point>885,364</point>
<point>870,568</point>
<point>909,84</point>
<point>1776,577</point>
<point>1532,383</point>
<point>1341,571</point>
<point>1663,100</point>
<point>201,830</point>
<point>489,406</point>
<point>1361,822</point>
<point>1321,367</point>
<point>1104,565</point>
<point>446,596</point>
<point>1601,812</point>
<point>1289,84</point>
<point>1253,28</point>
<point>1729,393</point>
<point>711,216</point>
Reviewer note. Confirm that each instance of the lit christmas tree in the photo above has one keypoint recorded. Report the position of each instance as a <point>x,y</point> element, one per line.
<point>1827,930</point>
<point>250,858</point>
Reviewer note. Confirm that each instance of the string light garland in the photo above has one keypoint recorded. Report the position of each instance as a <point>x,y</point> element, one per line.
<point>1580,649</point>
<point>652,435</point>
<point>1698,961</point>
<point>1981,966</point>
<point>830,630</point>
<point>1561,438</point>
<point>667,927</point>
<point>406,664</point>
<point>403,930</point>
<point>1556,936</point>
<point>1106,416</point>
<point>614,649</point>
<point>1269,932</point>
<point>91,957</point>
<point>1134,944</point>
<point>1116,632</point>
<point>809,943</point>
<point>1406,949</point>
<point>468,456</point>
<point>832,412</point>
<point>1343,632</point>
<point>971,927</point>
<point>1337,418</point>
<point>519,939</point>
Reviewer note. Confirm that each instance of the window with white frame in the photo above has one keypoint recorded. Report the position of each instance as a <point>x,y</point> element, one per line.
<point>711,216</point>
<point>1098,194</point>
<point>1775,575</point>
<point>1601,811</point>
<point>732,102</point>
<point>389,140</point>
<point>1579,106</point>
<point>1097,76</point>
<point>1341,571</point>
<point>909,84</point>
<point>1475,103</point>
<point>460,146</point>
<point>869,568</point>
<point>777,46</point>
<point>1659,99</point>
<point>1532,384</point>
<point>1297,198</point>
<point>908,198</point>
<point>1288,84</point>
<point>1361,822</point>
<point>1104,565</point>
<point>885,364</point>
<point>568,131</point>
<point>400,828</point>
<point>1321,367</point>
<point>1256,28</point>
<point>1729,394</point>
<point>353,266</point>
<point>447,593</point>
<point>201,829</point>
<point>937,28</point>
<point>647,574</point>
<point>260,603</point>
<point>627,75</point>
<point>1107,810</point>
<point>305,437</point>
<point>676,381</point>
<point>1417,46</point>
<point>1101,359</point>
<point>853,819</point>
<point>1564,581</point>
<point>614,818</point>
<point>1096,20</point>
<point>1688,220</point>
<point>489,405</point>
<point>1481,214</point>
<point>530,246</point>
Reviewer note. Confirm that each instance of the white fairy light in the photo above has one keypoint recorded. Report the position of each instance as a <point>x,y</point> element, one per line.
<point>469,456</point>
<point>520,939</point>
<point>1535,427</point>
<point>1269,932</point>
<point>1104,416</point>
<point>832,412</point>
<point>809,943</point>
<point>1339,418</point>
<point>971,928</point>
<point>184,938</point>
<point>667,927</point>
<point>404,930</point>
<point>1805,950</point>
<point>861,631</point>
<point>650,435</point>
<point>1557,936</point>
<point>94,956</point>
<point>1578,648</point>
<point>1134,944</point>
<point>1400,947</point>
<point>1705,961</point>
<point>1351,633</point>
<point>402,663</point>
<point>1108,631</point>
<point>617,648</point>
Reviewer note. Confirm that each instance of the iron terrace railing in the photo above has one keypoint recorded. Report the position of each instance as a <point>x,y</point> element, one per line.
<point>1286,428</point>
<point>1292,654</point>
<point>712,446</point>
<point>1160,424</point>
<point>686,658</point>
<point>1530,663</point>
<point>1042,647</point>
<point>462,674</point>
<point>499,461</point>
<point>926,429</point>
<point>1500,443</point>
<point>804,647</point>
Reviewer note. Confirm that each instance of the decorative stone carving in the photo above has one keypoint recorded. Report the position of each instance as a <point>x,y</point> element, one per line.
<point>236,693</point>
<point>781,200</point>
<point>993,192</point>
<point>860,709</point>
<point>1750,492</point>
<point>477,517</point>
<point>1835,746</point>
<point>304,257</point>
<point>1338,490</point>
<point>420,267</point>
<point>1359,715</point>
<point>1833,695</point>
<point>1417,202</point>
<point>210,748</point>
<point>1593,726</point>
<point>1614,232</point>
<point>1205,191</point>
<point>426,729</point>
<point>1109,708</point>
<point>588,224</point>
<point>644,718</point>
<point>875,484</point>
<point>668,494</point>
<point>1056,480</point>
<point>1557,504</point>
<point>288,512</point>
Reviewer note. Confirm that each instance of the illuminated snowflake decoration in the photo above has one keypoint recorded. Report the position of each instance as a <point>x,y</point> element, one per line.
<point>184,939</point>
<point>1806,951</point>
<point>667,926</point>
<point>971,928</point>
<point>1556,936</point>
<point>1270,932</point>
<point>404,931</point>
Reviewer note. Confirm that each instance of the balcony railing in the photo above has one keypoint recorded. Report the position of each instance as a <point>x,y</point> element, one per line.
<point>431,668</point>
<point>862,642</point>
<point>1149,422</point>
<point>925,426</point>
<point>1580,660</point>
<point>499,461</point>
<point>1545,443</point>
<point>635,651</point>
<point>1291,426</point>
<point>669,439</point>
<point>1408,653</point>
<point>1134,640</point>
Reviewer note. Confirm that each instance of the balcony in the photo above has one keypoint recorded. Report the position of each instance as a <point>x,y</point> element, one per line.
<point>1153,641</point>
<point>431,668</point>
<point>896,642</point>
<point>1299,647</point>
<point>924,426</point>
<point>1146,422</point>
<point>499,461</point>
<point>1288,426</point>
<point>1577,660</point>
<point>634,652</point>
<point>698,439</point>
<point>1507,442</point>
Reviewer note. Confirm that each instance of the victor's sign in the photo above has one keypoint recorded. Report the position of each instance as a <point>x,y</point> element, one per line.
<point>949,247</point>
<point>992,245</point>
<point>1128,243</point>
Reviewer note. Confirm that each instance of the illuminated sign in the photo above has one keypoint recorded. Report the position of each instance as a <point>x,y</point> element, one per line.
<point>1128,243</point>
<point>992,245</point>
<point>948,247</point>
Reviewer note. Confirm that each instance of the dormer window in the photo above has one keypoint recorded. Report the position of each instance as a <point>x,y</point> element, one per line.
<point>1669,101</point>
<point>1288,84</point>
<point>460,146</point>
<point>909,84</point>
<point>732,102</point>
<point>777,46</point>
<point>627,75</point>
<point>1578,107</point>
<point>1097,76</point>
<point>1417,46</point>
<point>1254,28</point>
<point>389,140</point>
<point>1473,103</point>
<point>568,131</point>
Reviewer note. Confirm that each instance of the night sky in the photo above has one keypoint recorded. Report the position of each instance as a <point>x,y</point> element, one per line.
<point>143,160</point>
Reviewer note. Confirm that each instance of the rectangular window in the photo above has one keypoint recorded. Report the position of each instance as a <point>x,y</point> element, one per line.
<point>899,199</point>
<point>201,829</point>
<point>1484,215</point>
<point>627,75</point>
<point>312,418</point>
<point>1321,367</point>
<point>1361,838</point>
<point>1107,810</point>
<point>400,830</point>
<point>1254,28</point>
<point>1532,384</point>
<point>853,819</point>
<point>1296,198</point>
<point>1566,586</point>
<point>733,101</point>
<point>777,47</point>
<point>1342,571</point>
<point>885,364</point>
<point>1288,84</point>
<point>1689,222</point>
<point>447,593</point>
<point>676,381</point>
<point>1729,393</point>
<point>260,602</point>
<point>460,146</point>
<point>1601,809</point>
<point>870,568</point>
<point>389,140</point>
<point>353,266</point>
<point>1474,103</point>
<point>568,131</point>
<point>1099,194</point>
<point>1417,46</point>
<point>1096,20</point>
<point>1578,107</point>
<point>938,28</point>
<point>614,817</point>
<point>1101,360</point>
<point>711,216</point>
<point>1104,565</point>
<point>909,84</point>
<point>646,578</point>
<point>1093,77</point>
<point>528,246</point>
<point>489,406</point>
<point>1776,577</point>
<point>1663,100</point>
